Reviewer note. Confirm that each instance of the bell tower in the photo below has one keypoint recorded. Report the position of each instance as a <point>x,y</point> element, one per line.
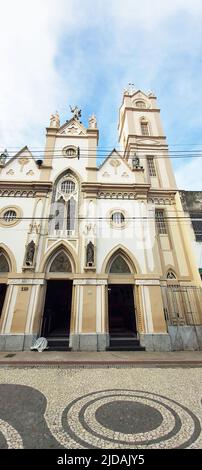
<point>141,135</point>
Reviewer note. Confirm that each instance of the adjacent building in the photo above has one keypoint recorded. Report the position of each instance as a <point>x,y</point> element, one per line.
<point>192,205</point>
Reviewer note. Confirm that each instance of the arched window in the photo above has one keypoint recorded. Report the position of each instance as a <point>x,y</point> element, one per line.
<point>64,209</point>
<point>140,104</point>
<point>144,127</point>
<point>117,218</point>
<point>119,265</point>
<point>4,266</point>
<point>61,263</point>
<point>70,151</point>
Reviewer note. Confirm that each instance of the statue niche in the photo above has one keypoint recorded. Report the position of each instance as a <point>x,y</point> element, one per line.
<point>90,255</point>
<point>30,253</point>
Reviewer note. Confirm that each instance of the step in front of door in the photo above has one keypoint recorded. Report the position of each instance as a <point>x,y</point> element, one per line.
<point>124,344</point>
<point>58,344</point>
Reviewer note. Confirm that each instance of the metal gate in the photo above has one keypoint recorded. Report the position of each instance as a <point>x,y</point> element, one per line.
<point>182,304</point>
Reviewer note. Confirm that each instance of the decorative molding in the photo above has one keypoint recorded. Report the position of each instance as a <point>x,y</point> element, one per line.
<point>26,281</point>
<point>34,228</point>
<point>115,164</point>
<point>94,282</point>
<point>164,201</point>
<point>22,162</point>
<point>7,193</point>
<point>73,130</point>
<point>147,282</point>
<point>24,189</point>
<point>117,195</point>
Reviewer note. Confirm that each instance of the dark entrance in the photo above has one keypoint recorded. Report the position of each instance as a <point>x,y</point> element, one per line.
<point>57,310</point>
<point>3,288</point>
<point>121,310</point>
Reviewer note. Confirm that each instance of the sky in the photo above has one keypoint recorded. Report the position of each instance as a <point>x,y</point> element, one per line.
<point>75,52</point>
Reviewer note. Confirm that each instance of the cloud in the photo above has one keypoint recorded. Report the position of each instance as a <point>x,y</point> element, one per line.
<point>74,52</point>
<point>189,175</point>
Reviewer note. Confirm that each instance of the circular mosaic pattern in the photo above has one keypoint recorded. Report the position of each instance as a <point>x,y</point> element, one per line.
<point>128,418</point>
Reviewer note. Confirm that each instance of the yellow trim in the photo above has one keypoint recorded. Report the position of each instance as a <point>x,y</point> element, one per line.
<point>19,214</point>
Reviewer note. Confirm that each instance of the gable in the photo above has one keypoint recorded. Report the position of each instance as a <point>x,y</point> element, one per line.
<point>20,167</point>
<point>72,128</point>
<point>115,169</point>
<point>139,94</point>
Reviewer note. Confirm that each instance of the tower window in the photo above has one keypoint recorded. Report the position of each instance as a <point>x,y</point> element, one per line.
<point>144,128</point>
<point>160,221</point>
<point>140,104</point>
<point>151,166</point>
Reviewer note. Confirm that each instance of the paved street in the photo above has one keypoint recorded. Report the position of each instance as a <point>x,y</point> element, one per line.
<point>100,407</point>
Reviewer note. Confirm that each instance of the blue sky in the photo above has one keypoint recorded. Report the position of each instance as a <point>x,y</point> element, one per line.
<point>54,54</point>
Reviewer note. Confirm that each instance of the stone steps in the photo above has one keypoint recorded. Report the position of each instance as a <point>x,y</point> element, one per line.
<point>58,343</point>
<point>124,344</point>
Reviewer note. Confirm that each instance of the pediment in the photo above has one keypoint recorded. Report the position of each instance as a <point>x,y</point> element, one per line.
<point>22,164</point>
<point>113,156</point>
<point>139,94</point>
<point>73,128</point>
<point>23,156</point>
<point>114,166</point>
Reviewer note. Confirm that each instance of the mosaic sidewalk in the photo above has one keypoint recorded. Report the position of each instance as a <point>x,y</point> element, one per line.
<point>105,408</point>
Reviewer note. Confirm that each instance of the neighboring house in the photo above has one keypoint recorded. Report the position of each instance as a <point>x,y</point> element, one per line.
<point>95,258</point>
<point>192,205</point>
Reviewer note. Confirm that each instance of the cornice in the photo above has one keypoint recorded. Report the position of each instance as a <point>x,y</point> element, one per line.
<point>113,186</point>
<point>24,189</point>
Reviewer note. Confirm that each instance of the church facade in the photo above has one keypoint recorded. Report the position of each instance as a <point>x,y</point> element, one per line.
<point>97,257</point>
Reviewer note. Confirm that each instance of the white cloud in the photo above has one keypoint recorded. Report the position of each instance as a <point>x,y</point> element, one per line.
<point>189,175</point>
<point>56,53</point>
<point>30,84</point>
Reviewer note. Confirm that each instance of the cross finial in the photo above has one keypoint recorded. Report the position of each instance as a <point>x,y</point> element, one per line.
<point>131,88</point>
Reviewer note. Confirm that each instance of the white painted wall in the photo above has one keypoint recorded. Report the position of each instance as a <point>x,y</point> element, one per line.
<point>15,237</point>
<point>60,162</point>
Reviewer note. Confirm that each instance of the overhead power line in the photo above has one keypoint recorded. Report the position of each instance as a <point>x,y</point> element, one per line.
<point>107,218</point>
<point>104,151</point>
<point>94,156</point>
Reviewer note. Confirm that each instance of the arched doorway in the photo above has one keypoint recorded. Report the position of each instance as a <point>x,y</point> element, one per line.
<point>121,308</point>
<point>4,269</point>
<point>121,303</point>
<point>58,302</point>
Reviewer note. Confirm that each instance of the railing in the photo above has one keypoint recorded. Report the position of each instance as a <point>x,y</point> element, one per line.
<point>182,304</point>
<point>62,233</point>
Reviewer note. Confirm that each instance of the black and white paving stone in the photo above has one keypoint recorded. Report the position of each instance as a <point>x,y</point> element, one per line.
<point>100,408</point>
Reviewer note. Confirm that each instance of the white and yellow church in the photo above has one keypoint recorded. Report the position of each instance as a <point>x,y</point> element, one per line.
<point>97,257</point>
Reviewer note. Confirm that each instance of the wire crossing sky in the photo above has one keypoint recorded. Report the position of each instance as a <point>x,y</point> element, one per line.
<point>57,54</point>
